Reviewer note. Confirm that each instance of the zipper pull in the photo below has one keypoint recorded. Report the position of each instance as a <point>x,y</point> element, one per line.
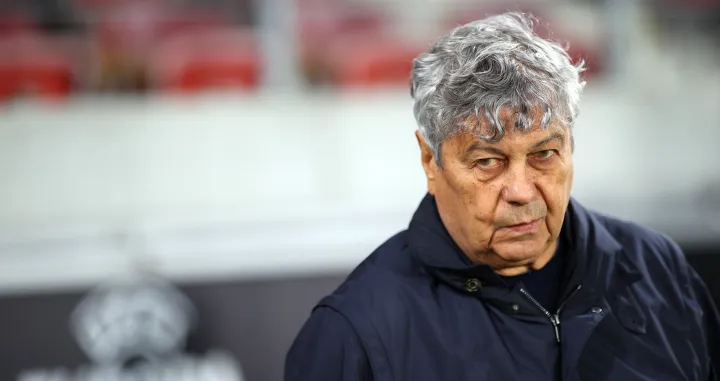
<point>555,319</point>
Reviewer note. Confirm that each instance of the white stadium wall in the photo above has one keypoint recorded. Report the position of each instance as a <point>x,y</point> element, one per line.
<point>282,184</point>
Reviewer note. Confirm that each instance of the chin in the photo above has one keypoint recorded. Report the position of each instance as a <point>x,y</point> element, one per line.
<point>519,253</point>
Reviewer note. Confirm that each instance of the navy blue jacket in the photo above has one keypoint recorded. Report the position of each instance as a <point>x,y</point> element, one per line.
<point>631,309</point>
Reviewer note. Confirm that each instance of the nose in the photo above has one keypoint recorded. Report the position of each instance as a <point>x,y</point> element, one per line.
<point>519,189</point>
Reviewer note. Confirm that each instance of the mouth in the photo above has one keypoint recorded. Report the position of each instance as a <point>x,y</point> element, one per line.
<point>525,227</point>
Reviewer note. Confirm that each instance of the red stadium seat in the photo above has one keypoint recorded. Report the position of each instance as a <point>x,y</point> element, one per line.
<point>198,62</point>
<point>372,63</point>
<point>190,20</point>
<point>323,23</point>
<point>320,21</point>
<point>17,22</point>
<point>32,65</point>
<point>8,81</point>
<point>593,57</point>
<point>128,33</point>
<point>129,30</point>
<point>135,28</point>
<point>238,72</point>
<point>44,80</point>
<point>47,78</point>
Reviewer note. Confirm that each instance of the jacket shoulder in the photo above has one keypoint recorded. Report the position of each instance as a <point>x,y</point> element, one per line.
<point>658,257</point>
<point>378,279</point>
<point>668,287</point>
<point>644,244</point>
<point>370,296</point>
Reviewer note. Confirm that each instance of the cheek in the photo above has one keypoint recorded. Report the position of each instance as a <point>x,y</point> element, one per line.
<point>555,187</point>
<point>476,199</point>
<point>484,204</point>
<point>464,184</point>
<point>571,177</point>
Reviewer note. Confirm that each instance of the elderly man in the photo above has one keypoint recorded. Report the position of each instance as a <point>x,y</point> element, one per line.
<point>501,275</point>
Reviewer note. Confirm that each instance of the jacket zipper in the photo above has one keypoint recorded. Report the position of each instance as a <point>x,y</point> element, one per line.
<point>554,318</point>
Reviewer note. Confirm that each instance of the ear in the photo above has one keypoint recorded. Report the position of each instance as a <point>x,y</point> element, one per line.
<point>429,164</point>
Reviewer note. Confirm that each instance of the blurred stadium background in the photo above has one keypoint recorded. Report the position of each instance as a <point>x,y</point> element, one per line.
<point>253,152</point>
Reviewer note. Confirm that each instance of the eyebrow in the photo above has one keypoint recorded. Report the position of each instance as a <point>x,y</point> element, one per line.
<point>483,146</point>
<point>553,136</point>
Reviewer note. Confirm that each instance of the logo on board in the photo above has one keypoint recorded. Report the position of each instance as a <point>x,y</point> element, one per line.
<point>136,330</point>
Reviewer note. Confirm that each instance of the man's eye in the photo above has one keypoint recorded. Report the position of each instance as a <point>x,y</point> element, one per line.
<point>544,154</point>
<point>488,163</point>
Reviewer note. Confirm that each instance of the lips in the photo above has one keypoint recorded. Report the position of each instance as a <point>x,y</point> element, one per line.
<point>525,228</point>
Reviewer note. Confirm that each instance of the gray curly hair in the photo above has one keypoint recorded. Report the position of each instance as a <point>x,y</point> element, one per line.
<point>479,67</point>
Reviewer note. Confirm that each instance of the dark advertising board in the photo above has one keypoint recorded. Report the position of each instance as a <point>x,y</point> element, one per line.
<point>153,331</point>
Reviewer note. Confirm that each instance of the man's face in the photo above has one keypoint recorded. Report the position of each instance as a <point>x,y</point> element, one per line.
<point>504,203</point>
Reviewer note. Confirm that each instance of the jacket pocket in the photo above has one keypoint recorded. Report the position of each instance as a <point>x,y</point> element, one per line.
<point>629,313</point>
<point>623,347</point>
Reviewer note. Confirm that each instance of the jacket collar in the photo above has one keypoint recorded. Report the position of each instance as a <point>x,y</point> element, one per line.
<point>591,249</point>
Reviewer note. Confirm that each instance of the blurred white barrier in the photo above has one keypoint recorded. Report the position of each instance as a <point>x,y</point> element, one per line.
<point>274,184</point>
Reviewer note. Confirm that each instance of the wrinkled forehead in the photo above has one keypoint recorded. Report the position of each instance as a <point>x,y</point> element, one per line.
<point>480,127</point>
<point>520,119</point>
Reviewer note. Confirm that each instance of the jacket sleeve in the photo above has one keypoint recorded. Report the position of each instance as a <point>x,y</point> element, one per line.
<point>327,349</point>
<point>711,322</point>
<point>701,299</point>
